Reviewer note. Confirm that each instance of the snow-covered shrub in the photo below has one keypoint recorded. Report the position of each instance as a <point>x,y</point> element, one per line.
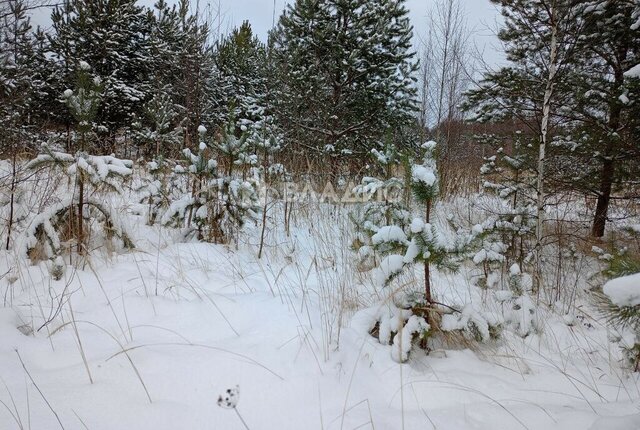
<point>383,204</point>
<point>481,326</point>
<point>221,197</point>
<point>88,173</point>
<point>421,241</point>
<point>620,304</point>
<point>511,221</point>
<point>46,231</point>
<point>619,300</point>
<point>395,326</point>
<point>520,312</point>
<point>156,188</point>
<point>523,316</point>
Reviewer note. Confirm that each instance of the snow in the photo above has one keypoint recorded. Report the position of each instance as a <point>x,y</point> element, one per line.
<point>417,225</point>
<point>390,266</point>
<point>626,422</point>
<point>402,341</point>
<point>633,72</point>
<point>623,291</point>
<point>423,174</point>
<point>491,252</point>
<point>204,323</point>
<point>429,145</point>
<point>514,269</point>
<point>202,129</point>
<point>388,234</point>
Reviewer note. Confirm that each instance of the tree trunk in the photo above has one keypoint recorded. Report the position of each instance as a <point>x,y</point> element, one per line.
<point>427,269</point>
<point>14,161</point>
<point>544,136</point>
<point>607,173</point>
<point>604,197</point>
<point>80,217</point>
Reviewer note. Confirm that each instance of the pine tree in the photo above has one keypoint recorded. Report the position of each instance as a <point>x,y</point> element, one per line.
<point>345,69</point>
<point>222,197</point>
<point>540,38</point>
<point>22,86</point>
<point>17,84</point>
<point>241,60</point>
<point>423,242</point>
<point>510,228</point>
<point>591,127</point>
<point>88,173</point>
<point>111,36</point>
<point>162,136</point>
<point>196,87</point>
<point>604,142</point>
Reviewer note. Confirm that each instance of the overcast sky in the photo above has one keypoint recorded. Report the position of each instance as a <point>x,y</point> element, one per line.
<point>481,15</point>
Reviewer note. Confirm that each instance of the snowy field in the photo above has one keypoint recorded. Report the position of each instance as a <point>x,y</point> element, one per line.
<point>150,338</point>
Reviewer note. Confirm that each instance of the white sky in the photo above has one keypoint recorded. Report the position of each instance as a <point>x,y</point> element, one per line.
<point>482,17</point>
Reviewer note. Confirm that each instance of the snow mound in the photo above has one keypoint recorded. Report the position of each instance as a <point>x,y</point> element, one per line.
<point>633,72</point>
<point>624,291</point>
<point>389,233</point>
<point>423,174</point>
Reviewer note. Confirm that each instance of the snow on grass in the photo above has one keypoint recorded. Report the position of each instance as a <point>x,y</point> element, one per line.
<point>184,322</point>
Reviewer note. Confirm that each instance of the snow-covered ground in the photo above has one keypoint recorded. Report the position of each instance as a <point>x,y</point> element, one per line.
<point>149,339</point>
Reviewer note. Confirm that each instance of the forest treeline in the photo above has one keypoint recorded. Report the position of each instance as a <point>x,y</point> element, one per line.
<point>336,80</point>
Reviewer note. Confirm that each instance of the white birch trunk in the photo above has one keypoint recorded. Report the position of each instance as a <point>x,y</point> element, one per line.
<point>546,113</point>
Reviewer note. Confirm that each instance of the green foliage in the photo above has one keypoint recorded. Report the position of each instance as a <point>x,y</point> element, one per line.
<point>344,72</point>
<point>241,59</point>
<point>221,198</point>
<point>622,262</point>
<point>83,103</point>
<point>99,32</point>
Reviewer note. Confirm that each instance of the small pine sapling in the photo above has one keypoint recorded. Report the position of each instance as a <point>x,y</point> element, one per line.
<point>619,299</point>
<point>156,188</point>
<point>510,176</point>
<point>508,240</point>
<point>424,243</point>
<point>238,185</point>
<point>88,172</point>
<point>383,203</point>
<point>221,198</point>
<point>192,208</point>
